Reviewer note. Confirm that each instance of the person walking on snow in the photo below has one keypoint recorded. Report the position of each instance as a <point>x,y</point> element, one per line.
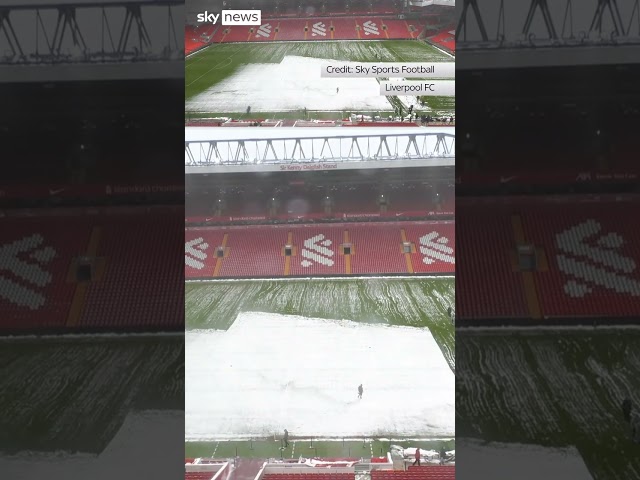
<point>443,455</point>
<point>360,390</point>
<point>417,462</point>
<point>286,438</point>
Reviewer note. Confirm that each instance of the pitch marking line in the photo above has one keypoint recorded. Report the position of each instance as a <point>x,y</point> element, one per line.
<point>191,60</point>
<point>337,279</point>
<point>193,54</point>
<point>218,65</point>
<point>215,67</point>
<point>442,51</point>
<point>215,450</point>
<point>293,449</point>
<point>192,63</point>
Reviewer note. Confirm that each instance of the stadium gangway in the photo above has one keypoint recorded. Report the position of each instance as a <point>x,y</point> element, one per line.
<point>422,145</point>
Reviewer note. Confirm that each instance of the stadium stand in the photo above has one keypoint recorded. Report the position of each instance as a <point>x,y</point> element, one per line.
<point>236,34</point>
<point>255,251</point>
<point>397,29</point>
<point>41,257</point>
<point>35,255</point>
<point>370,257</point>
<point>592,255</point>
<point>307,201</point>
<point>384,7</point>
<point>445,39</point>
<point>434,250</point>
<point>293,30</point>
<point>220,34</point>
<point>318,251</point>
<point>425,472</point>
<point>197,37</point>
<point>312,29</point>
<point>149,244</point>
<point>199,475</point>
<point>309,476</point>
<point>344,28</point>
<point>586,260</point>
<point>504,297</point>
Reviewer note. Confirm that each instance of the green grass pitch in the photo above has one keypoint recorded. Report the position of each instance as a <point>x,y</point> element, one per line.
<point>210,66</point>
<point>272,448</point>
<point>555,389</point>
<point>417,302</point>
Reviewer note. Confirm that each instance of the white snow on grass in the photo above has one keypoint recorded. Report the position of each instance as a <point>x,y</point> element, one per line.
<point>146,446</point>
<point>502,461</point>
<point>269,372</point>
<point>293,84</point>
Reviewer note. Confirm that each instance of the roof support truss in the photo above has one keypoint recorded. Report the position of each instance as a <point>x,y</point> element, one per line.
<point>517,27</point>
<point>53,34</point>
<point>329,148</point>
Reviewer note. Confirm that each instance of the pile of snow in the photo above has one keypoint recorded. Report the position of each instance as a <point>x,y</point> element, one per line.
<point>411,452</point>
<point>269,372</point>
<point>427,456</point>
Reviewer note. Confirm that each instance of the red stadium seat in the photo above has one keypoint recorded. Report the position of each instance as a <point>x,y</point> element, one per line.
<point>587,256</point>
<point>258,251</point>
<point>198,475</point>
<point>330,27</point>
<point>38,258</point>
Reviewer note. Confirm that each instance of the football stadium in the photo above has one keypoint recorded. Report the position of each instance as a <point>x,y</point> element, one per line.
<point>91,290</point>
<point>320,286</point>
<point>545,349</point>
<point>270,73</point>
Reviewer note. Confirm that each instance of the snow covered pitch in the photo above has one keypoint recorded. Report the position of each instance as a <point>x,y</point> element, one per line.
<point>293,84</point>
<point>282,78</point>
<point>270,371</point>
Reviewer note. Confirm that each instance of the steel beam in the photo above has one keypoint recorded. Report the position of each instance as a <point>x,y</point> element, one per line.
<point>546,15</point>
<point>601,8</point>
<point>319,149</point>
<point>602,26</point>
<point>36,34</point>
<point>462,23</point>
<point>12,39</point>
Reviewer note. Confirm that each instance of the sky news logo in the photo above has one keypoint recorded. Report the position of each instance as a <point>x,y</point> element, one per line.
<point>232,17</point>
